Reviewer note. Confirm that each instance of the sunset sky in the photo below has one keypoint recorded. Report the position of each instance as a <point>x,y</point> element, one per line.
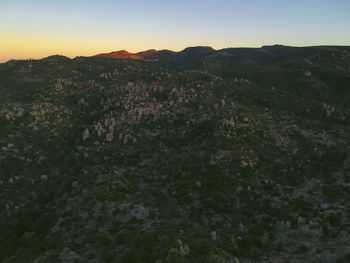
<point>39,28</point>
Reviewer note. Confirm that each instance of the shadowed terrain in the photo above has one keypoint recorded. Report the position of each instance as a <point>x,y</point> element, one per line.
<point>202,155</point>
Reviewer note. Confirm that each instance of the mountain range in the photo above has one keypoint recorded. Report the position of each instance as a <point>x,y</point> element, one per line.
<point>265,52</point>
<point>321,68</point>
<point>153,54</point>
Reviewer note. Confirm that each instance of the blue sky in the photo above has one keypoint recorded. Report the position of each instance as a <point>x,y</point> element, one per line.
<point>37,28</point>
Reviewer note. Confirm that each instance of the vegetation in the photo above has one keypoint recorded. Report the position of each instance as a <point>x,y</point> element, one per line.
<point>109,160</point>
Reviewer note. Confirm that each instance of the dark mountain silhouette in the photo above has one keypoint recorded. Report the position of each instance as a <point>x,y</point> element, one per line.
<point>190,52</point>
<point>121,54</point>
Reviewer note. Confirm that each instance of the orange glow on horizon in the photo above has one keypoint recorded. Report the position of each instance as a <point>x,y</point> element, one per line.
<point>38,46</point>
<point>39,28</point>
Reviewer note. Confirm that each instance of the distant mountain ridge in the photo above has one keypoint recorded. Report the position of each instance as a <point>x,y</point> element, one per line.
<point>120,54</point>
<point>324,70</point>
<point>152,54</point>
<point>320,68</point>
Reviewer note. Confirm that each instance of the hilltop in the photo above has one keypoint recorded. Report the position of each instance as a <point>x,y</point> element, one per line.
<point>121,54</point>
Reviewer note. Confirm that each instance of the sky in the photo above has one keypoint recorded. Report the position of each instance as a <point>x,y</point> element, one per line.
<point>39,28</point>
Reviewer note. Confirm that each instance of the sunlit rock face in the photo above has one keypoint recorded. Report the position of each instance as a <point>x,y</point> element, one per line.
<point>123,54</point>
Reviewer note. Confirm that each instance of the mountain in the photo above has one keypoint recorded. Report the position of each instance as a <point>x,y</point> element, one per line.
<point>147,53</point>
<point>122,54</point>
<point>154,54</point>
<point>201,155</point>
<point>199,50</point>
<point>320,68</point>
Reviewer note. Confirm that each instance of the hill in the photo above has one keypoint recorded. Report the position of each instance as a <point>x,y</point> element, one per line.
<point>202,155</point>
<point>324,70</point>
<point>122,54</point>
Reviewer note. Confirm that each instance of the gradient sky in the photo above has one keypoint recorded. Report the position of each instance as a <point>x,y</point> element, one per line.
<point>39,28</point>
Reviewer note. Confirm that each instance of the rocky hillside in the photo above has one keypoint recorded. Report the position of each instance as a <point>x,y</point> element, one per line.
<point>241,155</point>
<point>324,70</point>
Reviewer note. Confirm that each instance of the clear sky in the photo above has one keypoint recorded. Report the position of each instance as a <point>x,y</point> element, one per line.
<point>39,28</point>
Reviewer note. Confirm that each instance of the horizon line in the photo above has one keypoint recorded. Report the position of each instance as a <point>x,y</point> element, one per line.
<point>177,51</point>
